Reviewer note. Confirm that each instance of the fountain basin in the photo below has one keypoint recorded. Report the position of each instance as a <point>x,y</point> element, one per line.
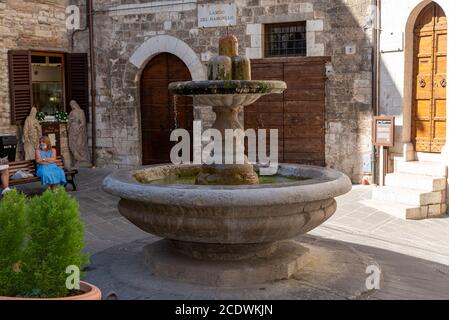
<point>227,235</point>
<point>229,87</point>
<point>234,215</point>
<point>227,93</point>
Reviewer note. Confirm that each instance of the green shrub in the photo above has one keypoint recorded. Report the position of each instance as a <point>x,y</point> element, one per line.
<point>56,241</point>
<point>38,242</point>
<point>12,241</point>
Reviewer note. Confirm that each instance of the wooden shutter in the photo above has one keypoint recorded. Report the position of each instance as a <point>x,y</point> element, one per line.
<point>77,80</point>
<point>21,90</point>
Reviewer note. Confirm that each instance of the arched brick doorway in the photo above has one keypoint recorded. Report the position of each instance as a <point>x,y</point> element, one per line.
<point>430,80</point>
<point>160,115</point>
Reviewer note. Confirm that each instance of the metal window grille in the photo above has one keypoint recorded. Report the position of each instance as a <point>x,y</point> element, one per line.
<point>286,39</point>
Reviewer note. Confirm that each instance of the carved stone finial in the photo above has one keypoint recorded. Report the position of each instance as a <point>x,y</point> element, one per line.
<point>229,46</point>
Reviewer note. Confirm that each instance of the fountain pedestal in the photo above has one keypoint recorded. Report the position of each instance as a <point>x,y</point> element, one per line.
<point>233,174</point>
<point>243,268</point>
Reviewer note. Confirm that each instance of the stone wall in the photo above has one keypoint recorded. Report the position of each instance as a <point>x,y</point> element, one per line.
<point>125,29</point>
<point>24,25</point>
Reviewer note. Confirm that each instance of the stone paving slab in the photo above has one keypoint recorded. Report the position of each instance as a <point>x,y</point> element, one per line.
<point>334,272</point>
<point>425,239</point>
<point>337,271</point>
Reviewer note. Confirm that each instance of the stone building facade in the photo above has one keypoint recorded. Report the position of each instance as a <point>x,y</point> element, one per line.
<point>27,25</point>
<point>413,89</point>
<point>128,34</point>
<point>396,79</point>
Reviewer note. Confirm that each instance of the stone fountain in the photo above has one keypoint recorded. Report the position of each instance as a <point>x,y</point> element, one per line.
<point>221,224</point>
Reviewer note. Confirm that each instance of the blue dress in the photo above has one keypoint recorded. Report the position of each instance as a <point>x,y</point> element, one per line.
<point>50,174</point>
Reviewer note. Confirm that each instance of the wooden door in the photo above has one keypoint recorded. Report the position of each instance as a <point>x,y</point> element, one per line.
<point>429,110</point>
<point>299,113</point>
<point>160,115</point>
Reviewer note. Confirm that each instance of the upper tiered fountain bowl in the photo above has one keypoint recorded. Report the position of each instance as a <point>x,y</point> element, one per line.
<point>224,225</point>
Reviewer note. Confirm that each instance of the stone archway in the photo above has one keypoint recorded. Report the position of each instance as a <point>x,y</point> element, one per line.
<point>409,81</point>
<point>140,59</point>
<point>168,44</point>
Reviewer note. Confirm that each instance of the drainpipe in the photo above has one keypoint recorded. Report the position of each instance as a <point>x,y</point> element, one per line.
<point>376,79</point>
<point>93,92</point>
<point>376,46</point>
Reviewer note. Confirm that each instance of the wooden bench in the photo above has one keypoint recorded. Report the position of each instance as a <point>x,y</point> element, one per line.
<point>30,167</point>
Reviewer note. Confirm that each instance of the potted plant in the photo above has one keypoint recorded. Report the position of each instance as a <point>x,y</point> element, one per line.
<point>40,241</point>
<point>62,116</point>
<point>40,116</point>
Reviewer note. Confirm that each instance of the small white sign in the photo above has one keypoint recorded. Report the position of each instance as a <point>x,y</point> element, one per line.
<point>391,41</point>
<point>351,49</point>
<point>217,15</point>
<point>52,138</point>
<point>205,56</point>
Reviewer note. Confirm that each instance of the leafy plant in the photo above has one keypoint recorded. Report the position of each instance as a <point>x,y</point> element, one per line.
<point>62,116</point>
<point>38,242</point>
<point>12,242</point>
<point>40,116</point>
<point>56,241</point>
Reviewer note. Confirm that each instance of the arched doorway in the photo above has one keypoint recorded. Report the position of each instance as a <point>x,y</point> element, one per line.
<point>160,114</point>
<point>430,82</point>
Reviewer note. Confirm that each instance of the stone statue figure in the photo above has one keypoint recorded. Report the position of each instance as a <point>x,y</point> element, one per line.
<point>77,131</point>
<point>32,131</point>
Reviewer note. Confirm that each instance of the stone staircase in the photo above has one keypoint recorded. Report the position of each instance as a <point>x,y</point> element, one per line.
<point>416,190</point>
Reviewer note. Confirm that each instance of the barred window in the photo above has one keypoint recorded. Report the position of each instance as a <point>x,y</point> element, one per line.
<point>285,39</point>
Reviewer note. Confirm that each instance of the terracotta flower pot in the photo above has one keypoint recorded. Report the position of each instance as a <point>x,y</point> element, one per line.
<point>91,292</point>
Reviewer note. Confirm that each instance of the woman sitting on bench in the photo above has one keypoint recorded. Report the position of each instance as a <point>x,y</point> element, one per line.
<point>51,175</point>
<point>4,177</point>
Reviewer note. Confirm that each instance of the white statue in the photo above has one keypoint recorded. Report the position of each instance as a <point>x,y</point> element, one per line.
<point>77,130</point>
<point>32,131</point>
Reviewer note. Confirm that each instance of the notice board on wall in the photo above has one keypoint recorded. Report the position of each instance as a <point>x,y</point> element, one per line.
<point>383,131</point>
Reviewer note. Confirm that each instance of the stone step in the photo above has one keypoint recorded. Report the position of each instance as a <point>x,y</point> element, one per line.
<point>434,169</point>
<point>430,157</point>
<point>414,181</point>
<point>407,196</point>
<point>398,210</point>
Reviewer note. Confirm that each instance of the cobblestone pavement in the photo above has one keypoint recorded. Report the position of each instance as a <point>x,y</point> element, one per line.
<point>414,253</point>
<point>355,223</point>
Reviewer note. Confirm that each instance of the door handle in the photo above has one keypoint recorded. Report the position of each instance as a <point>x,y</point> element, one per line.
<point>443,83</point>
<point>422,83</point>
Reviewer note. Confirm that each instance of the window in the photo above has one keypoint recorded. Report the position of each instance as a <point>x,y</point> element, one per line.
<point>285,39</point>
<point>48,82</point>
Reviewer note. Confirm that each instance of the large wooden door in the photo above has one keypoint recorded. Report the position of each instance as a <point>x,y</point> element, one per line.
<point>429,110</point>
<point>160,114</point>
<point>299,113</point>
